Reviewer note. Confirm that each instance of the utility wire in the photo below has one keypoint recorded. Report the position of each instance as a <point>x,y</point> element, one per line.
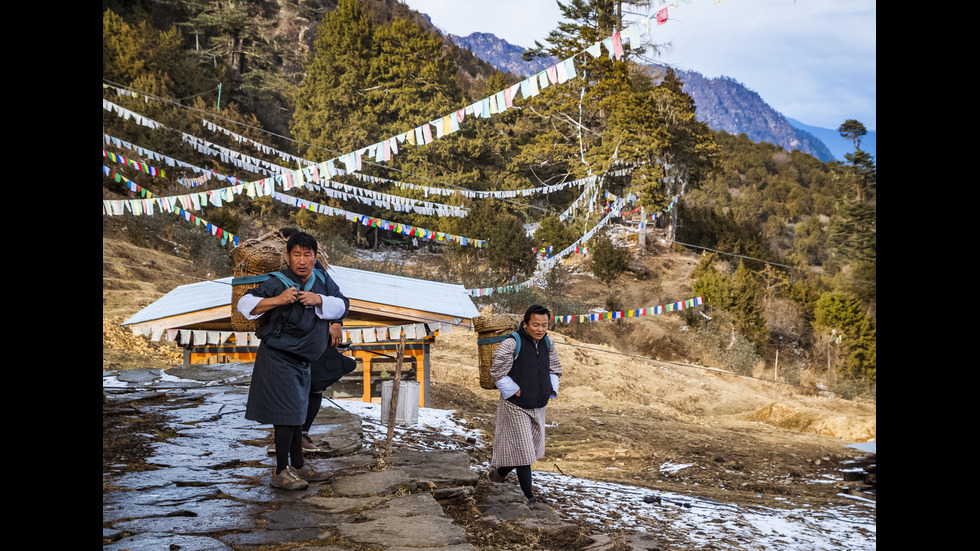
<point>196,95</point>
<point>787,266</point>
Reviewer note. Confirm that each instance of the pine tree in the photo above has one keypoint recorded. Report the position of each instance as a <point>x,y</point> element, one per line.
<point>241,35</point>
<point>710,283</point>
<point>853,231</point>
<point>331,110</point>
<point>683,153</point>
<point>746,306</point>
<point>138,52</point>
<point>607,260</point>
<point>553,232</point>
<point>842,314</point>
<point>510,250</point>
<point>853,130</point>
<point>575,115</point>
<point>632,122</point>
<point>865,174</point>
<point>412,81</point>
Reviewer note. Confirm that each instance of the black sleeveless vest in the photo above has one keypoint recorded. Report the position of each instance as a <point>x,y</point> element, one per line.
<point>532,372</point>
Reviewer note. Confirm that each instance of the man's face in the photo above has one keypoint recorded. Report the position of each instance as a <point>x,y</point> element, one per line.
<point>301,261</point>
<point>537,326</point>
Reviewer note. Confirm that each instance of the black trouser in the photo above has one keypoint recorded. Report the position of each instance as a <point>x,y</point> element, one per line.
<point>289,446</point>
<point>523,476</point>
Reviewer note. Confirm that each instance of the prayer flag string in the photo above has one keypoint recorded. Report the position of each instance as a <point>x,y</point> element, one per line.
<point>639,312</point>
<point>496,103</point>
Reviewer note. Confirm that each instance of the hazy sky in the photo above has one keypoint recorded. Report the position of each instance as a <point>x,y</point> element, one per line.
<point>812,60</point>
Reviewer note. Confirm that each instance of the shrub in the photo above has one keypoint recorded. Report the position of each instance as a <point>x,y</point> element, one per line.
<point>842,313</point>
<point>556,280</point>
<point>850,388</point>
<point>733,351</point>
<point>554,232</point>
<point>607,260</point>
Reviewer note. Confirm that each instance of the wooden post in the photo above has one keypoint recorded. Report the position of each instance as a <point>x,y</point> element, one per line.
<point>643,231</point>
<point>393,405</point>
<point>777,364</point>
<point>366,364</point>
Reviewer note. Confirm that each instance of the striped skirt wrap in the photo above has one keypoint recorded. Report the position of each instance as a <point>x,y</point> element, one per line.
<point>518,438</point>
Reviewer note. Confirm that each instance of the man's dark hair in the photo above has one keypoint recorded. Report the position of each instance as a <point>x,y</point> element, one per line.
<point>301,239</point>
<point>536,309</point>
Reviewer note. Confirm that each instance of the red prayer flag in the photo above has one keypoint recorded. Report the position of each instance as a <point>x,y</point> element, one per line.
<point>617,42</point>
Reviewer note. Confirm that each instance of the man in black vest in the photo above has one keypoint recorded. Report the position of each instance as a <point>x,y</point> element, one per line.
<point>526,370</point>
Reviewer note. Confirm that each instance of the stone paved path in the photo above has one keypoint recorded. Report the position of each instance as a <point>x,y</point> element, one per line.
<point>210,491</point>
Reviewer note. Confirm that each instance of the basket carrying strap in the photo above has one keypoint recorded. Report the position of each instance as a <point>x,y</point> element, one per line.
<point>493,340</point>
<point>281,276</point>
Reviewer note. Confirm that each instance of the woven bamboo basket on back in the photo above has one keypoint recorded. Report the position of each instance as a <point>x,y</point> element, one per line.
<point>264,254</point>
<point>487,327</point>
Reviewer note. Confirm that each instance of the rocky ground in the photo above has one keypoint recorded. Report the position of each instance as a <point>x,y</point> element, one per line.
<point>181,467</point>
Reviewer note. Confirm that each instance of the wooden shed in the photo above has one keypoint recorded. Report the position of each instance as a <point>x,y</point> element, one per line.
<point>198,317</point>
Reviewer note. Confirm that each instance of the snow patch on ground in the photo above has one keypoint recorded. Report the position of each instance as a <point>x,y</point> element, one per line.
<point>112,381</point>
<point>686,520</point>
<point>673,467</point>
<point>435,422</point>
<point>381,256</point>
<point>683,521</point>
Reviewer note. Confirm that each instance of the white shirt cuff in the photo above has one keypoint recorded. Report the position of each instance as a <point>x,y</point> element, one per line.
<point>246,304</point>
<point>507,387</point>
<point>331,309</point>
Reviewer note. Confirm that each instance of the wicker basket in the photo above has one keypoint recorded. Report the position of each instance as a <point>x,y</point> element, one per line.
<point>264,254</point>
<point>488,327</point>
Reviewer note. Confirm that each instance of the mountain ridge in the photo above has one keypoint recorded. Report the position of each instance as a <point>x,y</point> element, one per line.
<point>722,102</point>
<point>505,56</point>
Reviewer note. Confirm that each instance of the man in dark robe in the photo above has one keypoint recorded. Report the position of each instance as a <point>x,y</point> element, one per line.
<point>331,366</point>
<point>293,333</point>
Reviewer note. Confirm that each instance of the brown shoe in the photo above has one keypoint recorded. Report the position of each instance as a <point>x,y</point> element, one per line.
<point>308,473</point>
<point>308,445</point>
<point>288,480</point>
<point>494,476</point>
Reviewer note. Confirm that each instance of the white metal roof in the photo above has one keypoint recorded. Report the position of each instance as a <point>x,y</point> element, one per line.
<point>404,292</point>
<point>866,447</point>
<point>185,299</point>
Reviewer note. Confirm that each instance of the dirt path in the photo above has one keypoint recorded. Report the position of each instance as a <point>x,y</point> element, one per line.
<point>626,420</point>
